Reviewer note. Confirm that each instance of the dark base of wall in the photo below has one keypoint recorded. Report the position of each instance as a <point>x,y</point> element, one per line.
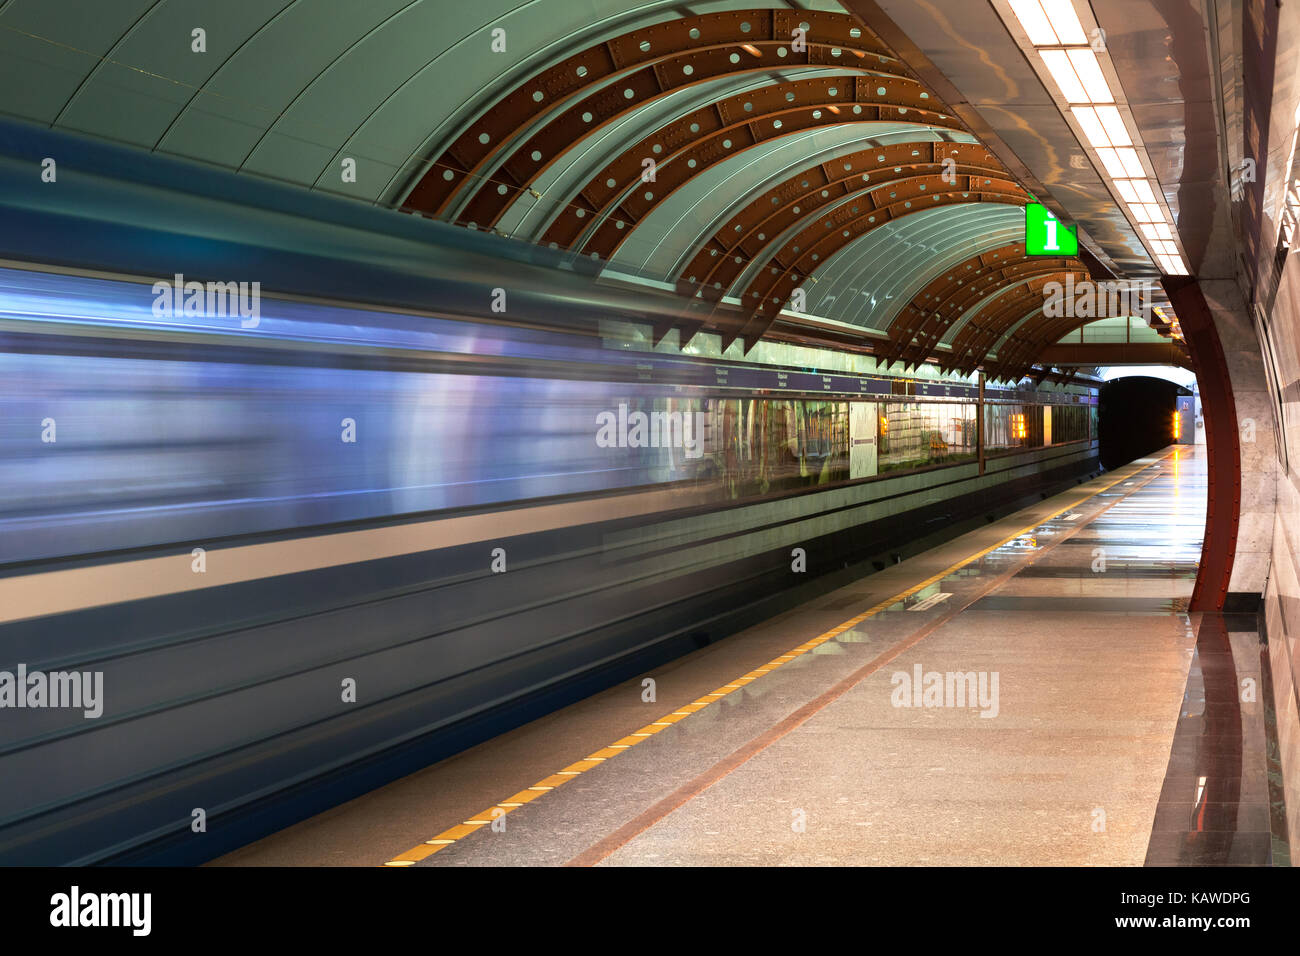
<point>755,592</point>
<point>1243,602</point>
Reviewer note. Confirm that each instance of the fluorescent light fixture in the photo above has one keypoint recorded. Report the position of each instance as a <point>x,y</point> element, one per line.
<point>1145,212</point>
<point>1088,69</point>
<point>1114,168</point>
<point>1135,190</point>
<point>1076,70</point>
<point>1159,230</point>
<point>1116,131</point>
<point>1065,21</point>
<point>1058,64</point>
<point>1132,165</point>
<point>1143,190</point>
<point>1034,20</point>
<point>1093,129</point>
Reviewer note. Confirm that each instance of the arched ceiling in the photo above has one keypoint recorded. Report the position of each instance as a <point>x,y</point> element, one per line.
<point>701,148</point>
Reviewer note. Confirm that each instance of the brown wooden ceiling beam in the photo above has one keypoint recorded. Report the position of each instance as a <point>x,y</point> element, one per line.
<point>604,212</point>
<point>975,340</point>
<point>932,317</point>
<point>798,258</point>
<point>723,257</point>
<point>664,56</point>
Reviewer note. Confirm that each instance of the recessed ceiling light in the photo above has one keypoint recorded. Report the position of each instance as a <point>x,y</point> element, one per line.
<point>1109,159</point>
<point>1144,191</point>
<point>1058,64</point>
<point>1034,20</point>
<point>1132,165</point>
<point>1079,74</point>
<point>1088,69</point>
<point>1093,130</point>
<point>1064,21</point>
<point>1116,131</point>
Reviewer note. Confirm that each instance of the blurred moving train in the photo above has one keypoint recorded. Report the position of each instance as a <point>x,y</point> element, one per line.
<point>233,526</point>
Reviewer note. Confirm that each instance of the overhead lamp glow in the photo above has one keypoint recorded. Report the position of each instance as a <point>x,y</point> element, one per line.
<point>1132,165</point>
<point>1114,168</point>
<point>1056,33</point>
<point>1064,21</point>
<point>1159,230</point>
<point>1144,191</point>
<point>1146,212</point>
<point>1093,130</point>
<point>1088,68</point>
<point>1172,265</point>
<point>1067,81</point>
<point>1116,131</point>
<point>1034,20</point>
<point>1135,190</point>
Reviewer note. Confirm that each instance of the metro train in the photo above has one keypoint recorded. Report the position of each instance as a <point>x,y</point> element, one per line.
<point>227,525</point>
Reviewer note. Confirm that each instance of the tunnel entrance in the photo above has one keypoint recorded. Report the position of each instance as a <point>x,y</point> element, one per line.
<point>1134,418</point>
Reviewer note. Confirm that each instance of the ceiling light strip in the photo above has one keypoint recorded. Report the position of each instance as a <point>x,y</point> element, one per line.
<point>1057,36</point>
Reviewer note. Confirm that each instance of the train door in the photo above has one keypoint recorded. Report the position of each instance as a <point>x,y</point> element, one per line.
<point>862,439</point>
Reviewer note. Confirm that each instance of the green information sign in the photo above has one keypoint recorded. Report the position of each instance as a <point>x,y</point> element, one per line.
<point>1045,235</point>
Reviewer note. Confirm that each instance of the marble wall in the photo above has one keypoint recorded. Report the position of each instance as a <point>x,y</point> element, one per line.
<point>1282,591</point>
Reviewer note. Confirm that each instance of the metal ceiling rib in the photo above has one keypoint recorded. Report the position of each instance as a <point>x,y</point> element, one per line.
<point>979,333</point>
<point>289,88</point>
<point>528,217</point>
<point>647,65</point>
<point>1030,316</point>
<point>867,282</point>
<point>733,254</point>
<point>286,89</point>
<point>793,264</point>
<point>663,242</point>
<point>925,319</point>
<point>706,137</point>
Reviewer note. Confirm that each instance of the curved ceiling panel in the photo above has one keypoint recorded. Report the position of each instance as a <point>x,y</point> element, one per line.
<point>646,65</point>
<point>814,245</point>
<point>663,242</point>
<point>868,281</point>
<point>694,143</point>
<point>700,147</point>
<point>868,179</point>
<point>562,182</point>
<point>528,216</point>
<point>286,88</point>
<point>949,300</point>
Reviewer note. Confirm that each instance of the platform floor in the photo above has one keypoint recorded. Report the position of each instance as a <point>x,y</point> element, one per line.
<point>802,741</point>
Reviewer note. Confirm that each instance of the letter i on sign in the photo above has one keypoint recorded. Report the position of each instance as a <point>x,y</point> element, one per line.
<point>1049,224</point>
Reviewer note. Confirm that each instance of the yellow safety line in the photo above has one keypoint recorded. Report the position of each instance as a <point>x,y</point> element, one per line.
<point>448,837</point>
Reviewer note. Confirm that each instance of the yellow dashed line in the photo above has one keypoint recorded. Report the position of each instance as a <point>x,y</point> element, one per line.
<point>449,837</point>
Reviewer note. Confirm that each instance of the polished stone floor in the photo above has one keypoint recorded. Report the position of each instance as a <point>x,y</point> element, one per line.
<point>1218,805</point>
<point>1032,693</point>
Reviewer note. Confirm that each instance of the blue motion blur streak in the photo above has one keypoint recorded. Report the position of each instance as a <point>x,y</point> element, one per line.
<point>161,452</point>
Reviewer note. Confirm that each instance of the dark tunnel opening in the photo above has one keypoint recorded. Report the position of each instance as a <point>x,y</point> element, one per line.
<point>1134,416</point>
